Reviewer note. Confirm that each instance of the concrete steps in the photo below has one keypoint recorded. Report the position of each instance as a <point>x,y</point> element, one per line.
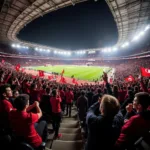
<point>71,134</point>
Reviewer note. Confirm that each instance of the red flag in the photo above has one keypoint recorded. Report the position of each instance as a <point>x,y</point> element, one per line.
<point>62,71</point>
<point>62,80</point>
<point>50,77</point>
<point>3,61</point>
<point>74,81</point>
<point>129,78</point>
<point>17,67</point>
<point>41,73</point>
<point>145,72</point>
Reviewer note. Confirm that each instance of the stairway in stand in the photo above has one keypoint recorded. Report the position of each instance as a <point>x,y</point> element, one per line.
<point>71,134</point>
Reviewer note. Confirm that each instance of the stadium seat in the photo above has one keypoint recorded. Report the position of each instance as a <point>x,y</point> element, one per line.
<point>143,143</point>
<point>19,143</point>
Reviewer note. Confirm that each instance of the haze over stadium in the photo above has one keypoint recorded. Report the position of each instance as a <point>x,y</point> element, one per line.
<point>73,72</point>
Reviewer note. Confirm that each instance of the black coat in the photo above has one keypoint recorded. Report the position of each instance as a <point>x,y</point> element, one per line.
<point>102,131</point>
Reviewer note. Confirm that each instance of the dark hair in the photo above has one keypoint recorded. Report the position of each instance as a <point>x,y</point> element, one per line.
<point>54,92</point>
<point>21,101</point>
<point>33,86</point>
<point>130,93</point>
<point>44,86</point>
<point>82,92</point>
<point>47,90</point>
<point>99,90</point>
<point>3,88</point>
<point>15,91</point>
<point>143,98</point>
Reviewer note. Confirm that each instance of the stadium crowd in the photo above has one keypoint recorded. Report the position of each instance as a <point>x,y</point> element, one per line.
<point>113,115</point>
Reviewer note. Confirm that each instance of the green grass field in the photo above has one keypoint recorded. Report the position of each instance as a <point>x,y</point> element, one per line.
<point>88,73</point>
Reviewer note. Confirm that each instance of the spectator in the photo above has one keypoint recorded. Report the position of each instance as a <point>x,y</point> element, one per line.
<point>25,123</point>
<point>56,112</point>
<point>69,100</point>
<point>102,131</point>
<point>62,95</point>
<point>127,101</point>
<point>138,125</point>
<point>97,96</point>
<point>82,107</point>
<point>5,106</point>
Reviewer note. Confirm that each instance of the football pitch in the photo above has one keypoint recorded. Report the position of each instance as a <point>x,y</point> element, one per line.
<point>88,73</point>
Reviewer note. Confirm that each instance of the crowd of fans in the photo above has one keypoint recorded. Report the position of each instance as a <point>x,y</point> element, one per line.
<point>113,115</point>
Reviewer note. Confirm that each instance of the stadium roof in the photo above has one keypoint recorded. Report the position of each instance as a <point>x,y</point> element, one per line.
<point>131,17</point>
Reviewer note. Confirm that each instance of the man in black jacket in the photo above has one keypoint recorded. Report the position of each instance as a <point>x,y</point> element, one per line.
<point>103,130</point>
<point>97,96</point>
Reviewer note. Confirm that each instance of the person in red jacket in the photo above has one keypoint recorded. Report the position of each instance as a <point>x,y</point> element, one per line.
<point>55,101</point>
<point>62,95</point>
<point>69,100</point>
<point>25,124</point>
<point>5,106</point>
<point>138,125</point>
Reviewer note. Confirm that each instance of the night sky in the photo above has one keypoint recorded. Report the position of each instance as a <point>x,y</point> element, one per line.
<point>86,25</point>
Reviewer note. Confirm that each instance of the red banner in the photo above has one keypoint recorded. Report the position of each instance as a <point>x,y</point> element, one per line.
<point>17,67</point>
<point>74,81</point>
<point>145,72</point>
<point>50,77</point>
<point>41,73</point>
<point>129,78</point>
<point>62,80</point>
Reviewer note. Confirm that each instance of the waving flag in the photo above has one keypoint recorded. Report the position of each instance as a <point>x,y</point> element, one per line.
<point>17,67</point>
<point>41,73</point>
<point>74,81</point>
<point>145,72</point>
<point>62,80</point>
<point>129,78</point>
<point>62,72</point>
<point>50,77</point>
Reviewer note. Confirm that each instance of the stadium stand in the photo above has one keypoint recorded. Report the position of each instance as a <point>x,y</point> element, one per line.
<point>37,113</point>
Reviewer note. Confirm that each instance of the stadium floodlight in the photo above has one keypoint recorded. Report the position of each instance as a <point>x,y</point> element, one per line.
<point>125,45</point>
<point>48,50</point>
<point>13,45</point>
<point>141,33</point>
<point>135,38</point>
<point>69,53</point>
<point>108,49</point>
<point>114,48</point>
<point>105,50</point>
<point>147,28</point>
<point>18,46</point>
